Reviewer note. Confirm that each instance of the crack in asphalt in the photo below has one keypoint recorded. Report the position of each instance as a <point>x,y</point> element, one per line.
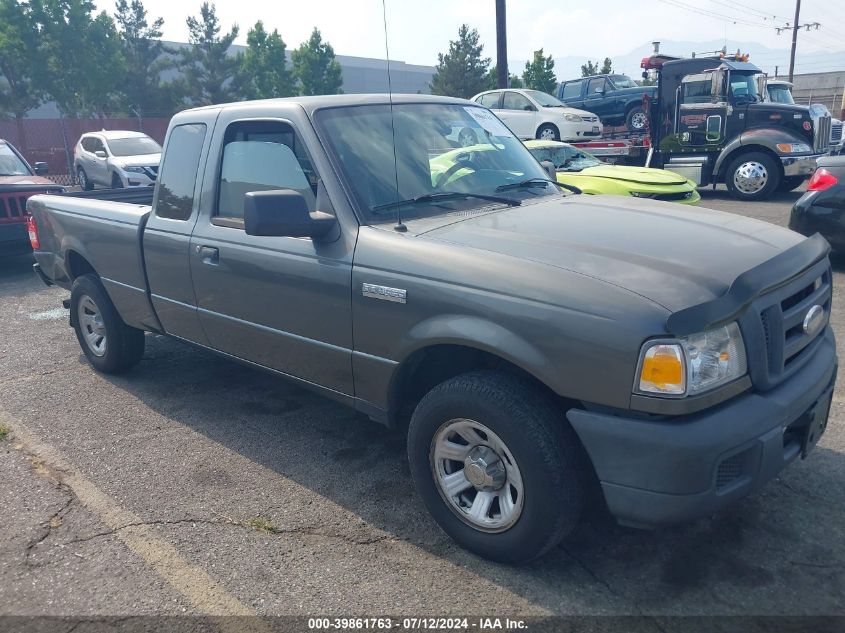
<point>51,524</point>
<point>310,531</point>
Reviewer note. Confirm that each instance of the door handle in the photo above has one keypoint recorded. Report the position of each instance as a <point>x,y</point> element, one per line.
<point>209,255</point>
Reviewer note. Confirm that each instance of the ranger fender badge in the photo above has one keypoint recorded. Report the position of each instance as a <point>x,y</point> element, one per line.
<point>398,295</point>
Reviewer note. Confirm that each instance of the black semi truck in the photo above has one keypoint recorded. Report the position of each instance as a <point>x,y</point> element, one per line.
<point>710,123</point>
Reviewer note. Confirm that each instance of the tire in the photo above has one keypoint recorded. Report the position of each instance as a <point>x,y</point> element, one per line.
<point>82,179</point>
<point>752,176</point>
<point>636,119</point>
<point>548,132</point>
<point>790,183</point>
<point>116,182</point>
<point>541,456</point>
<point>93,314</point>
<point>467,137</point>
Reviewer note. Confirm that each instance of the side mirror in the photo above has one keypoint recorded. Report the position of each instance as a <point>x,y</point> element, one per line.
<point>284,213</point>
<point>100,153</point>
<point>551,170</point>
<point>41,169</point>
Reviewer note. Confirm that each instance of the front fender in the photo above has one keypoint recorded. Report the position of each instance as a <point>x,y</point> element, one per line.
<point>763,137</point>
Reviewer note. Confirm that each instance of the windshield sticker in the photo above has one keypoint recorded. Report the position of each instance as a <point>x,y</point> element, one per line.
<point>488,121</point>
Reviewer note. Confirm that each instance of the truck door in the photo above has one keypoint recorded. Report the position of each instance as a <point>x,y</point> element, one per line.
<point>279,302</point>
<point>167,235</point>
<point>597,100</point>
<point>702,113</point>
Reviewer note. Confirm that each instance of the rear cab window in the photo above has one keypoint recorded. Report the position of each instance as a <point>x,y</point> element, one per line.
<point>261,156</point>
<point>178,174</point>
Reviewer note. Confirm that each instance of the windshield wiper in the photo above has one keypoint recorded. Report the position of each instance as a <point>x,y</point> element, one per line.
<point>449,195</point>
<point>536,182</point>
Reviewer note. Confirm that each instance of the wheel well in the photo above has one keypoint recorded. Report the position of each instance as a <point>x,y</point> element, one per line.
<point>428,367</point>
<point>745,149</point>
<point>77,265</point>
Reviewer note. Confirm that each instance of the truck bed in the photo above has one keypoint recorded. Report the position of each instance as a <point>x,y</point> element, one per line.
<point>100,230</point>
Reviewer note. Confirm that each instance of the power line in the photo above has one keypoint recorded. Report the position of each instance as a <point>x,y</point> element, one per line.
<point>711,14</point>
<point>763,14</point>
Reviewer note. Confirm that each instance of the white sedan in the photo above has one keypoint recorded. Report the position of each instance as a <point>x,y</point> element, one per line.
<point>535,114</point>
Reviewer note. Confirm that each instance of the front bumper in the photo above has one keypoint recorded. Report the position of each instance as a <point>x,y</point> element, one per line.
<point>800,165</point>
<point>137,179</point>
<point>671,470</point>
<point>574,131</point>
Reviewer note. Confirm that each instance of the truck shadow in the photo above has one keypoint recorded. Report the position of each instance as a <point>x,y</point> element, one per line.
<point>779,551</point>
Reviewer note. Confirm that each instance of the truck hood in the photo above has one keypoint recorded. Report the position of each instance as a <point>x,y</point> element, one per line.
<point>25,180</point>
<point>675,256</point>
<point>640,175</point>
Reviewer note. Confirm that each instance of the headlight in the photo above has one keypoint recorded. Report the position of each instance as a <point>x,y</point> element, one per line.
<point>574,118</point>
<point>692,364</point>
<point>134,170</point>
<point>794,148</point>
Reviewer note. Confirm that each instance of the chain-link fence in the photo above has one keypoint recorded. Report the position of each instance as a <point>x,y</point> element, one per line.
<point>52,140</point>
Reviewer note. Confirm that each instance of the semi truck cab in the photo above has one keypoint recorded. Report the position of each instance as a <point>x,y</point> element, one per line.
<point>711,123</point>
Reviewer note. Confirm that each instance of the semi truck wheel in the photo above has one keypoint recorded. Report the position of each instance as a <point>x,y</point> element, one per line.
<point>752,176</point>
<point>548,132</point>
<point>109,344</point>
<point>497,465</point>
<point>636,120</point>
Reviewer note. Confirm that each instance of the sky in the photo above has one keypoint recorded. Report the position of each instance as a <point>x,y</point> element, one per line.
<point>419,29</point>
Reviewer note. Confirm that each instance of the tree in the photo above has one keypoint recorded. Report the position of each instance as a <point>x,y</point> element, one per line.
<point>493,80</point>
<point>261,68</point>
<point>144,57</point>
<point>461,72</point>
<point>19,64</point>
<point>539,73</point>
<point>590,68</point>
<point>83,65</point>
<point>207,67</point>
<point>315,68</point>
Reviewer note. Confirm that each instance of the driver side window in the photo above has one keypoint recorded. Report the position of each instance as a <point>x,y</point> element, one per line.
<point>516,101</point>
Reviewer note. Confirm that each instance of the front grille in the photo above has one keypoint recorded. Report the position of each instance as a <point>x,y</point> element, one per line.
<point>782,314</point>
<point>589,119</point>
<point>668,197</point>
<point>13,206</point>
<point>821,134</point>
<point>836,133</point>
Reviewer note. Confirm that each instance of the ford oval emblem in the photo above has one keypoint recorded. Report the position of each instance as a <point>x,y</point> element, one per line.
<point>813,320</point>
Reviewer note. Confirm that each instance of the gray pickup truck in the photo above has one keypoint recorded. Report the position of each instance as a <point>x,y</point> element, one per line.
<point>539,347</point>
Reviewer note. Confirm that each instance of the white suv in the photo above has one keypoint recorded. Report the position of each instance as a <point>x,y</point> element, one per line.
<point>116,159</point>
<point>535,114</point>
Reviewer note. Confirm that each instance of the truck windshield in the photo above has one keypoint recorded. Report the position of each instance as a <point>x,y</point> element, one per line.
<point>622,81</point>
<point>134,146</point>
<point>744,88</point>
<point>10,163</point>
<point>780,93</point>
<point>432,156</point>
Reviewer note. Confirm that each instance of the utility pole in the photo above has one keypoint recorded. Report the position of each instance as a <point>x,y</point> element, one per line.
<point>501,46</point>
<point>794,39</point>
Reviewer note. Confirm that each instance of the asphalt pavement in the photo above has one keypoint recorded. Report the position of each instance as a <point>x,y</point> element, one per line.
<point>194,485</point>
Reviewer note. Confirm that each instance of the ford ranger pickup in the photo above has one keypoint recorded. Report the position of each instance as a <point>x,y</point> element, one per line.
<point>540,348</point>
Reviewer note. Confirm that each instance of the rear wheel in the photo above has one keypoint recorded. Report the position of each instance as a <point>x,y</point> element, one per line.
<point>636,120</point>
<point>110,345</point>
<point>752,176</point>
<point>82,179</point>
<point>791,182</point>
<point>548,132</point>
<point>497,465</point>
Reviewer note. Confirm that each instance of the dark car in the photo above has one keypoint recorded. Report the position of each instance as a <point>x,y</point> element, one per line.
<point>616,99</point>
<point>822,208</point>
<point>18,181</point>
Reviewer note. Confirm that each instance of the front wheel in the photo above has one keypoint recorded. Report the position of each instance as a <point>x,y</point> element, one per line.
<point>109,344</point>
<point>548,132</point>
<point>752,176</point>
<point>82,179</point>
<point>636,120</point>
<point>497,465</point>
